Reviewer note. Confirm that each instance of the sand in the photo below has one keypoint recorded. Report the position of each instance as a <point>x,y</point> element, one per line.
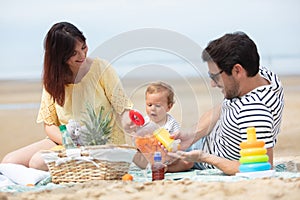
<point>173,190</point>
<point>193,97</point>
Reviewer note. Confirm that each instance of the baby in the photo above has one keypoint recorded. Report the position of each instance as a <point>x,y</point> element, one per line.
<point>159,97</point>
<point>159,101</point>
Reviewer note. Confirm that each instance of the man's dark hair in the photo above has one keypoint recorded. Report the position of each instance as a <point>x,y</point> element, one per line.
<point>231,49</point>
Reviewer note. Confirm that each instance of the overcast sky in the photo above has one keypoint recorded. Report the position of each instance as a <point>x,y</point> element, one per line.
<point>273,25</point>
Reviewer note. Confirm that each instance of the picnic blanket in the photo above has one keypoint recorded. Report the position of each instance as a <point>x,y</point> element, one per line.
<point>209,175</point>
<point>16,178</point>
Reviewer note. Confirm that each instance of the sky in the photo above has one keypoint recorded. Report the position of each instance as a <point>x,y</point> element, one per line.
<point>274,25</point>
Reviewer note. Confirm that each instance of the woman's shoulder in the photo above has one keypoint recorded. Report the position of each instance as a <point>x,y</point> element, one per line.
<point>98,60</point>
<point>99,64</point>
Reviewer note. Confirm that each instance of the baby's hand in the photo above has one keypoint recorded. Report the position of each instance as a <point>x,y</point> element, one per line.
<point>126,123</point>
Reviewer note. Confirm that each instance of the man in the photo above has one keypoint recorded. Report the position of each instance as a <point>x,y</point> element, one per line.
<point>253,97</point>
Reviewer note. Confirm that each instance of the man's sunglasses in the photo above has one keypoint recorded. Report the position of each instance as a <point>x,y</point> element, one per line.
<point>215,77</point>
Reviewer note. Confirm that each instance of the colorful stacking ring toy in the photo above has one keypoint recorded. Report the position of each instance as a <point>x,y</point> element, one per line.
<point>136,117</point>
<point>253,151</point>
<point>254,156</point>
<point>252,144</point>
<point>254,159</point>
<point>253,167</point>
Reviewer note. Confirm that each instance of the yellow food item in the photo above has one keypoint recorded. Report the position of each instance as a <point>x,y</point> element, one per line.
<point>57,148</point>
<point>163,136</point>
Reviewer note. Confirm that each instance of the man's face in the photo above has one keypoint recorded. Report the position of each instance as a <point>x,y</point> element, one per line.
<point>227,83</point>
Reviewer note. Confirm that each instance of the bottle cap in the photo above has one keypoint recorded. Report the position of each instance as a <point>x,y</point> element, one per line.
<point>136,117</point>
<point>62,127</point>
<point>157,156</point>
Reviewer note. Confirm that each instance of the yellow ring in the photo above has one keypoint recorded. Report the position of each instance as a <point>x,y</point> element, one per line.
<point>256,144</point>
<point>254,159</point>
<point>253,152</point>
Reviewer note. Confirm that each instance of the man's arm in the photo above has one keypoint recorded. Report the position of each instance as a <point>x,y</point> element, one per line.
<point>205,125</point>
<point>207,122</point>
<point>270,154</point>
<point>229,167</point>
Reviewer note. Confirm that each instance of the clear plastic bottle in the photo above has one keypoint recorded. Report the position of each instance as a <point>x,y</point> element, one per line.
<point>158,168</point>
<point>66,137</point>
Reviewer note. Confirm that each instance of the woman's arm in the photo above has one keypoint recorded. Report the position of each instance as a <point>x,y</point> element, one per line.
<point>53,133</point>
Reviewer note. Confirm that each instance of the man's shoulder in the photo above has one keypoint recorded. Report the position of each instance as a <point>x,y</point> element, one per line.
<point>250,102</point>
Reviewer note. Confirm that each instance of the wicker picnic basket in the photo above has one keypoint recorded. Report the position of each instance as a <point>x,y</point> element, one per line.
<point>101,162</point>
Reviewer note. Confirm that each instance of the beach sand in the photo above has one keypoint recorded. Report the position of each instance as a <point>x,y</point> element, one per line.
<point>193,97</point>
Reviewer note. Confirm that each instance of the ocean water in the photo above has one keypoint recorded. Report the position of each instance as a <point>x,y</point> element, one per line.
<point>144,68</point>
<point>164,67</point>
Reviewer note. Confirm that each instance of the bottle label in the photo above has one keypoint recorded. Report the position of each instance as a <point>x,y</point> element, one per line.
<point>66,138</point>
<point>158,173</point>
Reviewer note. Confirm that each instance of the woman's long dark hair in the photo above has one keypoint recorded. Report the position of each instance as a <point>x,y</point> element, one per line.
<point>59,46</point>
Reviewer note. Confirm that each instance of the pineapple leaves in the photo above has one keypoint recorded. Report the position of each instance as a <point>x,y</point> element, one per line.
<point>98,127</point>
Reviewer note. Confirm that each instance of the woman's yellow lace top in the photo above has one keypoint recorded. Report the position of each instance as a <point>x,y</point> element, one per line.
<point>101,86</point>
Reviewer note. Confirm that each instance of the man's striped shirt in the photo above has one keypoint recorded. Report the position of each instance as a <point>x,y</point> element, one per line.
<point>261,108</point>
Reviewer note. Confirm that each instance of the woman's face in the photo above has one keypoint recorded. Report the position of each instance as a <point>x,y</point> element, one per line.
<point>79,55</point>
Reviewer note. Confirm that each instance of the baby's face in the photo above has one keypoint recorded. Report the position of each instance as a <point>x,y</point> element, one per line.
<point>157,107</point>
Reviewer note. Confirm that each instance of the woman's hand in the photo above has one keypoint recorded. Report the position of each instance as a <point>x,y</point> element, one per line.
<point>126,122</point>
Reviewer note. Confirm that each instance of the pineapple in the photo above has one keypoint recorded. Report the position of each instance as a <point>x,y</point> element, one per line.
<point>96,129</point>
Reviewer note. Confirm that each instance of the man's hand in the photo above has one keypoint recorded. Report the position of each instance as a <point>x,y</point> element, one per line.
<point>192,156</point>
<point>186,139</point>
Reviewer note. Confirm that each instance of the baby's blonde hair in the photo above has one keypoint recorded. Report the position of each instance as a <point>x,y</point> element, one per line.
<point>160,86</point>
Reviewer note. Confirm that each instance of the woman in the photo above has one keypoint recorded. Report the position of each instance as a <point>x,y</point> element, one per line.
<point>71,80</point>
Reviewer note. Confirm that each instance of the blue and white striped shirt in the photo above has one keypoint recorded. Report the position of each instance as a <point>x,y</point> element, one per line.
<point>261,108</point>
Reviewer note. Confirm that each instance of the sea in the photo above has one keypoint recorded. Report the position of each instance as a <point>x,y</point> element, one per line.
<point>152,67</point>
<point>147,68</point>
